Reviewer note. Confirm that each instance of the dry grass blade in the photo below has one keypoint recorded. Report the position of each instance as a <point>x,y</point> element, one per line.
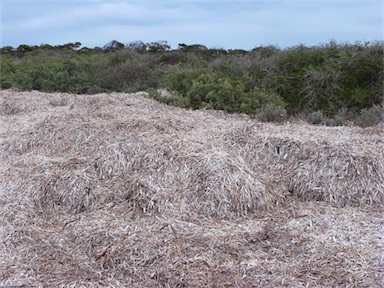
<point>118,190</point>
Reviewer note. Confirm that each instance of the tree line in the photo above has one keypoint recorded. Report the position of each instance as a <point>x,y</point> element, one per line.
<point>331,83</point>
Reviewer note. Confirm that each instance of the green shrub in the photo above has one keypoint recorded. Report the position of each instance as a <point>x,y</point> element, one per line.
<point>316,117</point>
<point>180,78</point>
<point>340,119</point>
<point>319,80</point>
<point>210,87</point>
<point>223,93</point>
<point>230,66</point>
<point>371,116</point>
<point>7,70</point>
<point>321,88</point>
<point>137,74</point>
<point>264,97</point>
<point>271,112</point>
<point>212,91</point>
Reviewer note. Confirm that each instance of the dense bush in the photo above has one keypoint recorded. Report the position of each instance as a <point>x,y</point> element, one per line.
<point>326,78</point>
<point>324,82</point>
<point>206,88</point>
<point>71,71</point>
<point>7,71</point>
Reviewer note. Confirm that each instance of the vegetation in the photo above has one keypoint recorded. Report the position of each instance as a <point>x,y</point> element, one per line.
<point>327,84</point>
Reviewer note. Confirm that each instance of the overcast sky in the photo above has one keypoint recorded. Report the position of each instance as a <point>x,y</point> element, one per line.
<point>215,24</point>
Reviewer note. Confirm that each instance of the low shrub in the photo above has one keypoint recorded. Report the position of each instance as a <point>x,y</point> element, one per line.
<point>371,116</point>
<point>340,119</point>
<point>272,113</point>
<point>316,117</point>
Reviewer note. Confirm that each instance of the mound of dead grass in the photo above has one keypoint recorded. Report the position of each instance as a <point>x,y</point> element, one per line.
<point>120,190</point>
<point>342,166</point>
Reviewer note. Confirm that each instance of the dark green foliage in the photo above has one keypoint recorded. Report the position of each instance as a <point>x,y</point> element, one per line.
<point>181,79</point>
<point>80,72</point>
<point>325,78</point>
<point>324,82</point>
<point>52,74</point>
<point>211,91</point>
<point>7,70</point>
<point>215,89</point>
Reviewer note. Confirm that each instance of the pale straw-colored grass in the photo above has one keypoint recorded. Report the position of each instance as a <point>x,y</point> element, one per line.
<point>118,190</point>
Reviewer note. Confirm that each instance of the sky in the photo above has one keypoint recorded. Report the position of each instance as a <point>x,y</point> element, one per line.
<point>222,24</point>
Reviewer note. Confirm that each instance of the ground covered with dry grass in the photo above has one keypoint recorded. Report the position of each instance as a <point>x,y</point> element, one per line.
<point>119,190</point>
